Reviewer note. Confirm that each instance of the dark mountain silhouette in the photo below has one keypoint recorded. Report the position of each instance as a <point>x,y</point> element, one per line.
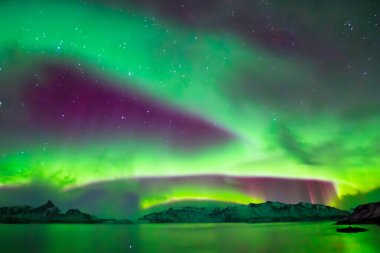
<point>49,213</point>
<point>264,212</point>
<point>363,214</point>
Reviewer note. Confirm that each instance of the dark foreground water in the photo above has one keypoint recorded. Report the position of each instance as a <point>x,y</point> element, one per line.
<point>167,238</point>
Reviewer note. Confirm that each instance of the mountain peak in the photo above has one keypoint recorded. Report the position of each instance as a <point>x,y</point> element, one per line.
<point>49,204</point>
<point>48,209</point>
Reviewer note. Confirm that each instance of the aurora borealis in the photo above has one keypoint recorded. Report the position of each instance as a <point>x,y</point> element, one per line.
<point>145,102</point>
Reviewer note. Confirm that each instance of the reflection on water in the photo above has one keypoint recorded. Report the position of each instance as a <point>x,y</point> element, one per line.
<point>271,237</point>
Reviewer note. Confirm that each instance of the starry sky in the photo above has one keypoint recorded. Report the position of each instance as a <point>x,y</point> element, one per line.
<point>144,102</point>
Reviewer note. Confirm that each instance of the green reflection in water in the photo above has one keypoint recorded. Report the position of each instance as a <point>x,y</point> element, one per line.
<point>273,237</point>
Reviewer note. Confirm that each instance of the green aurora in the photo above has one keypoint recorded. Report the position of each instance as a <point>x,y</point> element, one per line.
<point>288,118</point>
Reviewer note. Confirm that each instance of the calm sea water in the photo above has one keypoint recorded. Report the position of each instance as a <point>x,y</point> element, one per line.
<point>167,238</point>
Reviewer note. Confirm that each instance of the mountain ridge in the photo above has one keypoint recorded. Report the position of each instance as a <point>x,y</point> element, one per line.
<point>49,213</point>
<point>196,212</point>
<point>253,213</point>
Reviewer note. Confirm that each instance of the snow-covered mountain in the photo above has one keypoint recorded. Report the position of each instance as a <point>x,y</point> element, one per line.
<point>47,213</point>
<point>264,212</point>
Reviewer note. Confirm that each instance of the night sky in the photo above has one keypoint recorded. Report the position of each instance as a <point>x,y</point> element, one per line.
<point>136,103</point>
